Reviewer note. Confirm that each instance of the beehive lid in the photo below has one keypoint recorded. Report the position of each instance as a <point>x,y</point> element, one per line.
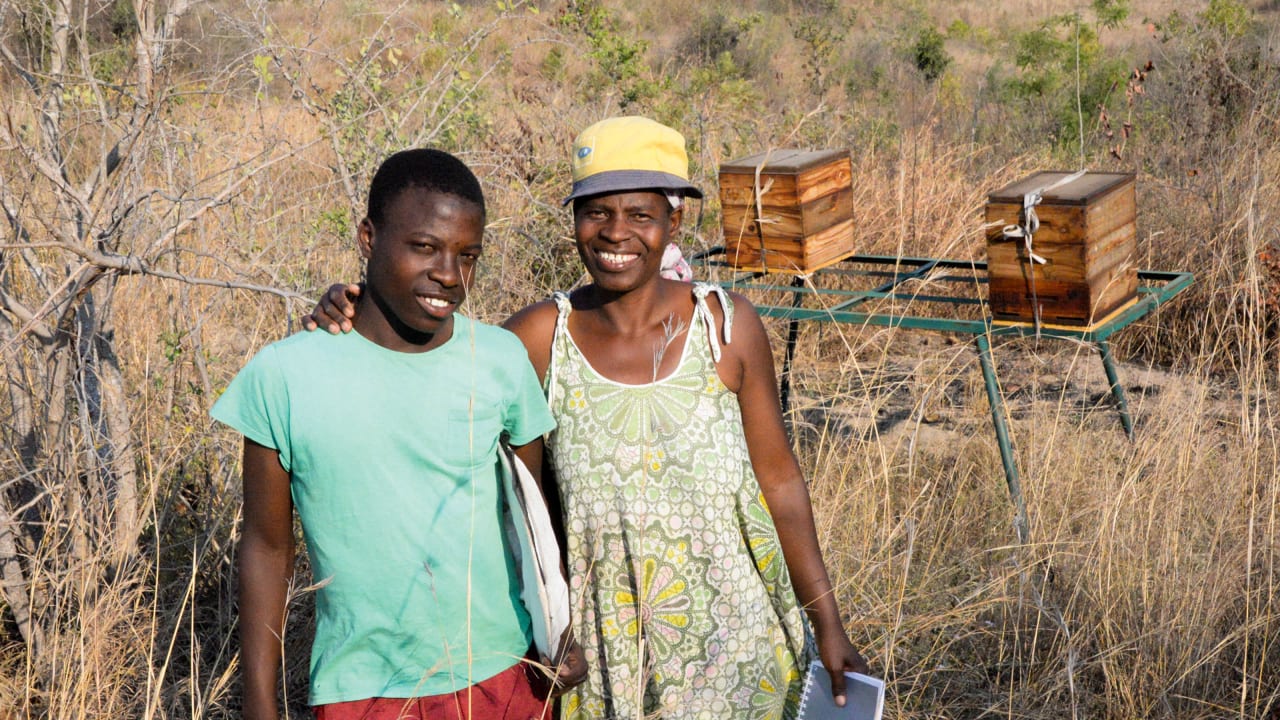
<point>1081,191</point>
<point>783,161</point>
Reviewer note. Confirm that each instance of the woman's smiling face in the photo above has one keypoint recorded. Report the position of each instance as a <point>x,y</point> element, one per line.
<point>621,236</point>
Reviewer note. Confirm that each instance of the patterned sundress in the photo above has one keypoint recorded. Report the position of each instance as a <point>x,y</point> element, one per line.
<point>682,600</point>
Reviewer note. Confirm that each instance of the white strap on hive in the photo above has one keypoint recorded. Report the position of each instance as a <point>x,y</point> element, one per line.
<point>1027,230</point>
<point>759,193</point>
<point>1030,222</point>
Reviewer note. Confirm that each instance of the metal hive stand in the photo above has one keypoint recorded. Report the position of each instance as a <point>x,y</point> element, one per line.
<point>889,277</point>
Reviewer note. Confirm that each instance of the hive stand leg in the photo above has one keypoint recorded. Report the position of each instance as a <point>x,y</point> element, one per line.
<point>996,401</point>
<point>793,333</point>
<point>1117,390</point>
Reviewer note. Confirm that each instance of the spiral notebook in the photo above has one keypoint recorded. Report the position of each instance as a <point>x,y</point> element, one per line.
<point>864,696</point>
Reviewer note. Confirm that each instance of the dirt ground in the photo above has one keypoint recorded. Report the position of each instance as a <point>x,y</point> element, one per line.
<point>926,390</point>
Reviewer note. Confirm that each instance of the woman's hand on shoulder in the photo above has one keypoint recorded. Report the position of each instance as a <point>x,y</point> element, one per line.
<point>335,310</point>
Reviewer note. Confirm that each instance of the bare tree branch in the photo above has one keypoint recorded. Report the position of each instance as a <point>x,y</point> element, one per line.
<point>25,315</point>
<point>134,265</point>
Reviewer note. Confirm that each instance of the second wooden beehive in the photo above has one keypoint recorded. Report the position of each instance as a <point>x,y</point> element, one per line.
<point>1083,268</point>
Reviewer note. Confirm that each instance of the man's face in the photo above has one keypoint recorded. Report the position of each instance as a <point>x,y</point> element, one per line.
<point>621,236</point>
<point>421,260</point>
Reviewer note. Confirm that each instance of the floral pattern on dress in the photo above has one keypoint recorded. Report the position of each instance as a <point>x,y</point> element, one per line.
<point>636,415</point>
<point>686,608</point>
<point>773,697</point>
<point>763,542</point>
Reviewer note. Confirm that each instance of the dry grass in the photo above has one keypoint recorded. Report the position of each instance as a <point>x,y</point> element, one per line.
<point>1148,588</point>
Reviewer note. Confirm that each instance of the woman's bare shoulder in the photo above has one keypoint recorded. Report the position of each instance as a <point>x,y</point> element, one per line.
<point>535,325</point>
<point>535,319</point>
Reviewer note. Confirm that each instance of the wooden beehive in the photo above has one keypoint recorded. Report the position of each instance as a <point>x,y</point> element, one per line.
<point>1087,238</point>
<point>805,219</point>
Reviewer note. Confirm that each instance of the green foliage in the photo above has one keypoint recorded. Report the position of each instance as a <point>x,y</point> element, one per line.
<point>715,34</point>
<point>1046,56</point>
<point>960,30</point>
<point>376,110</point>
<point>1221,22</point>
<point>468,122</point>
<point>333,225</point>
<point>1056,60</point>
<point>725,84</point>
<point>1110,13</point>
<point>619,57</point>
<point>983,37</point>
<point>1215,53</point>
<point>171,343</point>
<point>110,41</point>
<point>1229,17</point>
<point>262,70</point>
<point>122,20</point>
<point>552,67</point>
<point>363,91</point>
<point>110,64</point>
<point>722,62</point>
<point>821,29</point>
<point>106,38</point>
<point>930,54</point>
<point>1215,73</point>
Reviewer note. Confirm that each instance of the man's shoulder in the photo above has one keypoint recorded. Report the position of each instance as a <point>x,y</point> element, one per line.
<point>301,351</point>
<point>303,344</point>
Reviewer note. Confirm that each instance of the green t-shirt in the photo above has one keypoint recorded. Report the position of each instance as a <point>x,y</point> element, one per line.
<point>393,471</point>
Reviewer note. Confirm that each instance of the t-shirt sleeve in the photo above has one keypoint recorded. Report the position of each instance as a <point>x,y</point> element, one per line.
<point>527,416</point>
<point>256,404</point>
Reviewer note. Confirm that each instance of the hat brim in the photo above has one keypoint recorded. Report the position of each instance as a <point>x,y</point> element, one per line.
<point>612,181</point>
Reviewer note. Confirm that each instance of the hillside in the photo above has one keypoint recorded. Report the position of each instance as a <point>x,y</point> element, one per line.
<point>181,180</point>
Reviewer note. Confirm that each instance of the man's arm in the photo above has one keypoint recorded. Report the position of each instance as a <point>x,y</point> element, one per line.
<point>266,568</point>
<point>783,486</point>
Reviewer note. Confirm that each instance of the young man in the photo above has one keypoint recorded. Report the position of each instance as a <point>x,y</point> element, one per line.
<point>417,607</point>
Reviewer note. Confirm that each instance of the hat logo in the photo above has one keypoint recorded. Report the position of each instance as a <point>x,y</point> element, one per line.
<point>583,152</point>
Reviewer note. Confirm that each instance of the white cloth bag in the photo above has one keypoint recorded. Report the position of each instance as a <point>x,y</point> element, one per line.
<point>537,554</point>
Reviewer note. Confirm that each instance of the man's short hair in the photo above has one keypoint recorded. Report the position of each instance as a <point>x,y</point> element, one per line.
<point>425,168</point>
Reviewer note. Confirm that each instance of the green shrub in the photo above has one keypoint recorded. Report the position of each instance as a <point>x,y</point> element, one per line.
<point>1063,77</point>
<point>1110,13</point>
<point>620,58</point>
<point>930,54</point>
<point>1231,18</point>
<point>821,29</point>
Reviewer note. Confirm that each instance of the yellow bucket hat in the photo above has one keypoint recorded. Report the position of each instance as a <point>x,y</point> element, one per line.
<point>623,154</point>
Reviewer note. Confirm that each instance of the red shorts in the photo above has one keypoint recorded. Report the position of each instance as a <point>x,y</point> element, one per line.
<point>512,694</point>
